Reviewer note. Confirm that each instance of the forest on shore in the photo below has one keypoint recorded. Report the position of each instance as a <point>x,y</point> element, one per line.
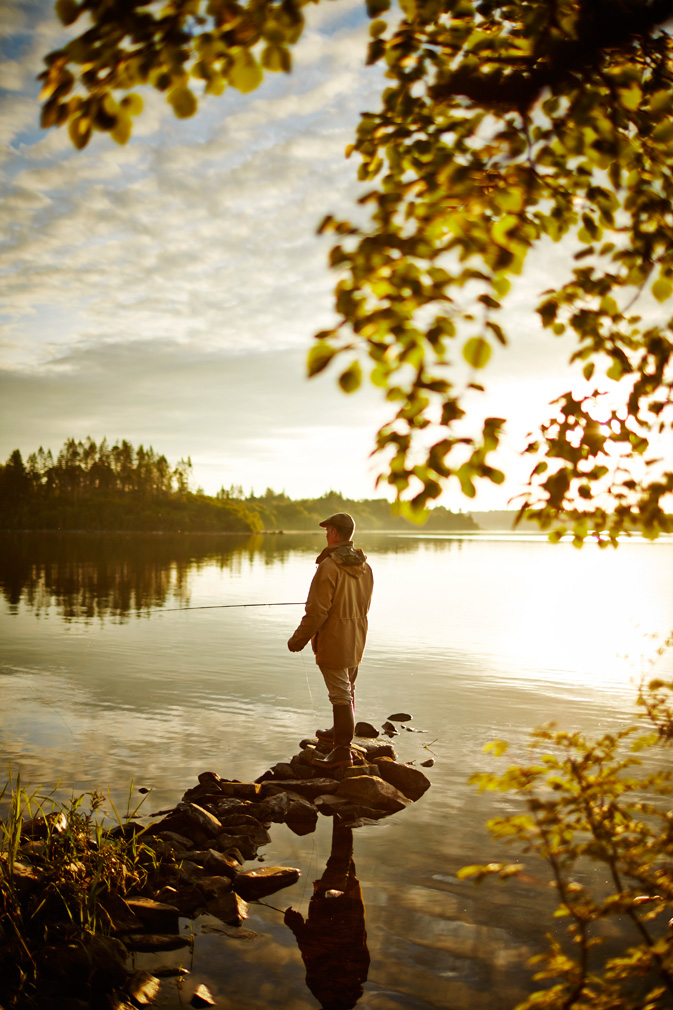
<point>91,486</point>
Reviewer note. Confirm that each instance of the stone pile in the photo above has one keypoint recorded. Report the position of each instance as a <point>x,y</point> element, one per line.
<point>195,853</point>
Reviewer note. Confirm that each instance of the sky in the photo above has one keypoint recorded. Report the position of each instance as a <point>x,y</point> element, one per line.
<point>167,291</point>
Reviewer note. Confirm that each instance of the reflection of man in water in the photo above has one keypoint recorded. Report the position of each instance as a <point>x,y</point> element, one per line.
<point>333,939</point>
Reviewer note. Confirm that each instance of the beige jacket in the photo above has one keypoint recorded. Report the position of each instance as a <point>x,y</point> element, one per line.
<point>336,609</point>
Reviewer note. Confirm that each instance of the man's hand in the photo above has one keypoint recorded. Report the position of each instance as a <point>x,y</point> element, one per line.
<point>292,645</point>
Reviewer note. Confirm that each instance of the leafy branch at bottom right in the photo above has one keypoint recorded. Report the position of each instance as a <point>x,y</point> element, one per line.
<point>589,805</point>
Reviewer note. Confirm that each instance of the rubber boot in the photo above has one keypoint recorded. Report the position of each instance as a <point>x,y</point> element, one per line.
<point>340,756</point>
<point>328,734</point>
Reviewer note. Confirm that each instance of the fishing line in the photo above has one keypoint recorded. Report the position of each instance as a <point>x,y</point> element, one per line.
<point>308,683</point>
<point>226,606</point>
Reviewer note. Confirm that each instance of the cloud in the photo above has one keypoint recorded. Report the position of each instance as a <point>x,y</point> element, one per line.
<point>251,419</point>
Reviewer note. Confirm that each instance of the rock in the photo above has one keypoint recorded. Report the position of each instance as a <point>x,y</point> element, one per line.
<point>374,749</point>
<point>365,729</point>
<point>255,884</point>
<point>177,822</point>
<point>202,818</point>
<point>219,864</point>
<point>410,781</point>
<point>228,842</point>
<point>274,808</point>
<point>24,876</point>
<point>308,788</point>
<point>229,908</point>
<point>116,916</point>
<point>389,729</point>
<point>372,791</point>
<point>361,769</point>
<point>143,987</point>
<point>248,826</point>
<point>240,790</point>
<point>188,899</point>
<point>214,889</point>
<point>173,839</point>
<point>230,805</point>
<point>329,804</point>
<point>99,961</point>
<point>32,849</point>
<point>428,764</point>
<point>302,817</point>
<point>188,871</point>
<point>364,819</point>
<point>167,894</point>
<point>43,827</point>
<point>128,831</point>
<point>71,1003</point>
<point>171,971</point>
<point>400,717</point>
<point>156,916</point>
<point>282,770</point>
<point>147,942</point>
<point>202,997</point>
<point>209,778</point>
<point>302,766</point>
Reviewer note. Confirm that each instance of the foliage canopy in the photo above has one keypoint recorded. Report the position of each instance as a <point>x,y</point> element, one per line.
<point>503,124</point>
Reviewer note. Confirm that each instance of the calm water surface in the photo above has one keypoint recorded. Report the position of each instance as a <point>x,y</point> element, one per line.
<point>105,684</point>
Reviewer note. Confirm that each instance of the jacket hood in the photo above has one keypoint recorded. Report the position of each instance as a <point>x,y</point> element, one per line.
<point>350,558</point>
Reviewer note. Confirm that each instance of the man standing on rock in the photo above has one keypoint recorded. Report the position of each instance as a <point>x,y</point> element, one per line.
<point>335,623</point>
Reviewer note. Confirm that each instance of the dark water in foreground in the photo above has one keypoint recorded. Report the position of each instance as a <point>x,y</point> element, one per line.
<point>104,685</point>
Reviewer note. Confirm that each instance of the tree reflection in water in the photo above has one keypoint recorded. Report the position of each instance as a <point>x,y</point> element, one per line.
<point>122,575</point>
<point>333,939</point>
<point>91,575</point>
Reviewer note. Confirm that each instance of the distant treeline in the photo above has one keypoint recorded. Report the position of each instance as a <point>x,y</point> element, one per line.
<point>277,511</point>
<point>119,487</point>
<point>110,487</point>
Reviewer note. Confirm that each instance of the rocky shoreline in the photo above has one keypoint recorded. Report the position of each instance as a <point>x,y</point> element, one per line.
<point>195,857</point>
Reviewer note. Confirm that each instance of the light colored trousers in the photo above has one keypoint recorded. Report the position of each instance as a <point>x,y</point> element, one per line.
<point>340,684</point>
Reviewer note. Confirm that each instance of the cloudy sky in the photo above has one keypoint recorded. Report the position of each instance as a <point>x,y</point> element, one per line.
<point>167,291</point>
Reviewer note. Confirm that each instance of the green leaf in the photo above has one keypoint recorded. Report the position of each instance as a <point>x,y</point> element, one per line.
<point>351,379</point>
<point>663,134</point>
<point>79,129</point>
<point>277,58</point>
<point>246,74</point>
<point>67,11</point>
<point>662,289</point>
<point>496,747</point>
<point>132,104</point>
<point>477,352</point>
<point>376,7</point>
<point>121,131</point>
<point>183,101</point>
<point>319,357</point>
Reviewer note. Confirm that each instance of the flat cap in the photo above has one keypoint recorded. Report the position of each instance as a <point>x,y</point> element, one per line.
<point>342,520</point>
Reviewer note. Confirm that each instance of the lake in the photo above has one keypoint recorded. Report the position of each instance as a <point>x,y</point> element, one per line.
<point>110,682</point>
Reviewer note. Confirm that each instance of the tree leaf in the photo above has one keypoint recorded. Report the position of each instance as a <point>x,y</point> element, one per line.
<point>477,352</point>
<point>67,11</point>
<point>183,101</point>
<point>662,289</point>
<point>245,74</point>
<point>351,379</point>
<point>319,357</point>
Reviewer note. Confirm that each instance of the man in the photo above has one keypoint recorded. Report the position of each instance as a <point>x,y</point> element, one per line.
<point>336,624</point>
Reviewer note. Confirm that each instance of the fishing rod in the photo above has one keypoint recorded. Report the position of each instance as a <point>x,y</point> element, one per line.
<point>228,606</point>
